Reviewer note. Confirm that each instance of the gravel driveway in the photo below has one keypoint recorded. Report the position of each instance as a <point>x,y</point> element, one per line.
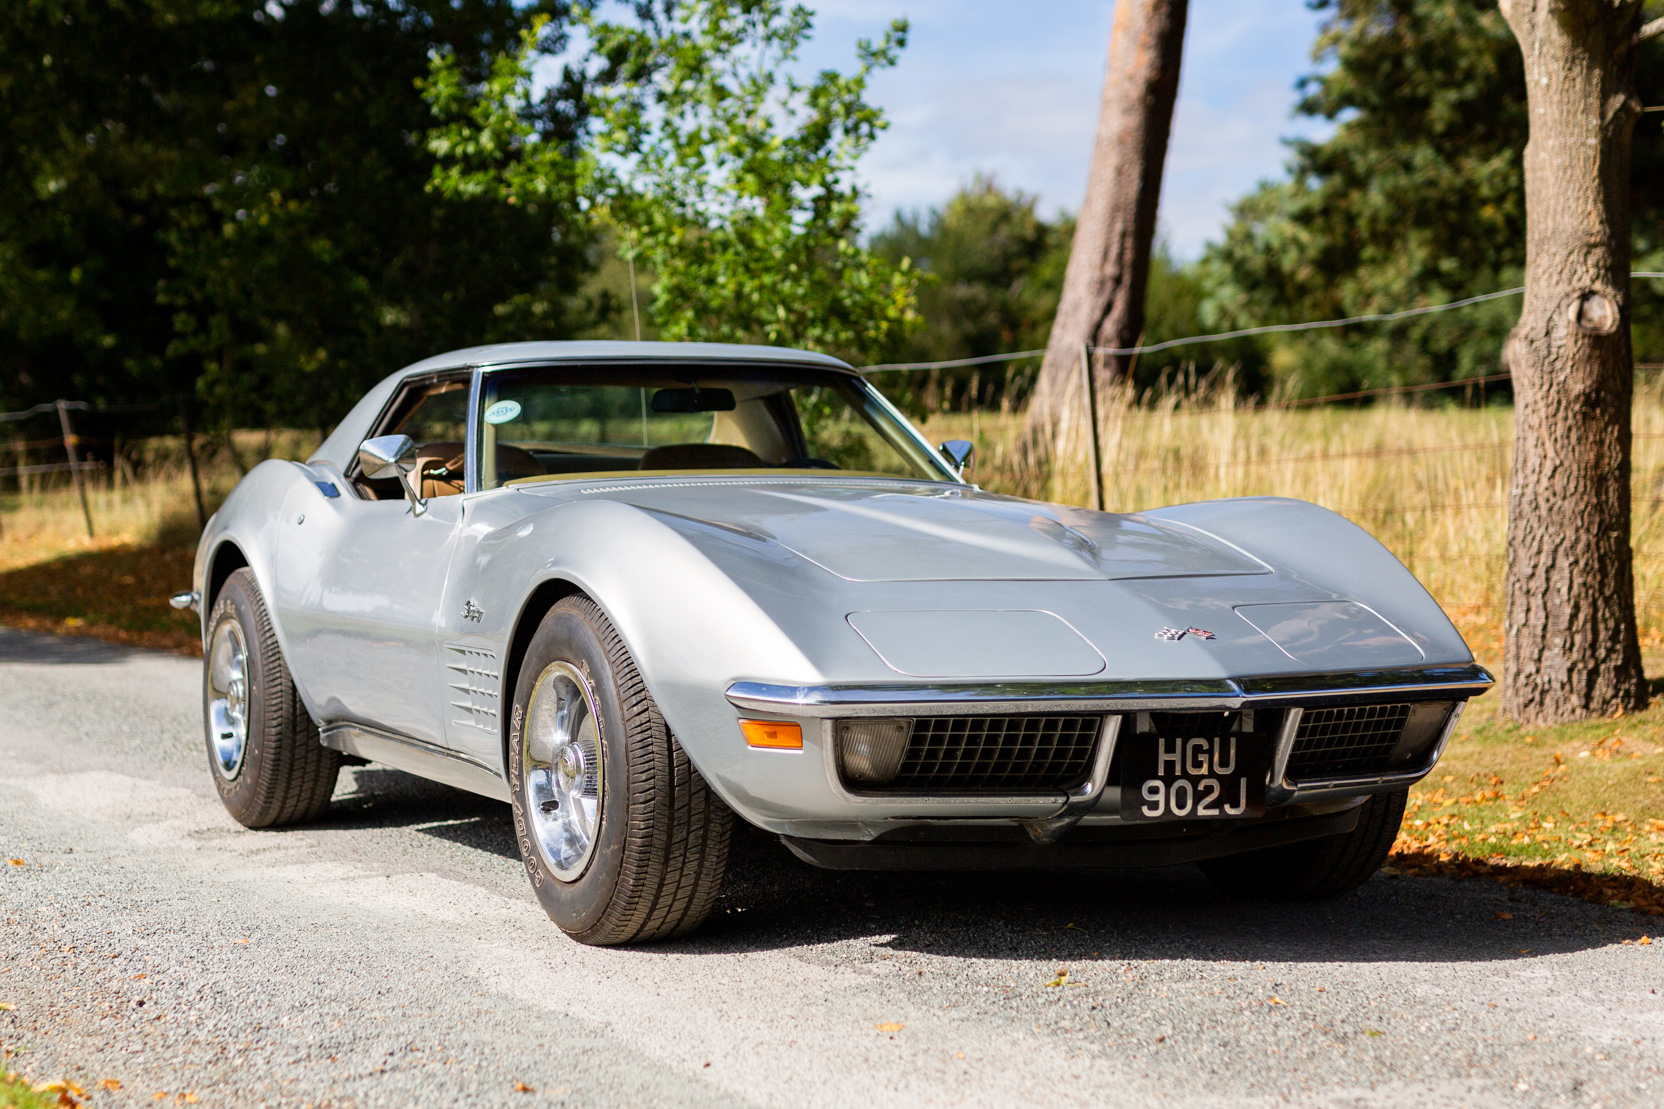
<point>393,954</point>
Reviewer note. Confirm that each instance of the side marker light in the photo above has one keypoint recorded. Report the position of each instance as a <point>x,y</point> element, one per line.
<point>773,733</point>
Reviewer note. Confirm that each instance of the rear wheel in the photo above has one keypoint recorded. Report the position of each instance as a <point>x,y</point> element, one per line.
<point>263,749</point>
<point>1317,869</point>
<point>621,837</point>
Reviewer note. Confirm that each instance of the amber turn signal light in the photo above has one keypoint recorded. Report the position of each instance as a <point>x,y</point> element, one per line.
<point>773,733</point>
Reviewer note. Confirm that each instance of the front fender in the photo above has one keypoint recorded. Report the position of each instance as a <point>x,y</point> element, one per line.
<point>1310,544</point>
<point>690,628</point>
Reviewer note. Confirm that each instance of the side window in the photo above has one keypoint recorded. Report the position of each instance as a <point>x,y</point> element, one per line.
<point>435,416</point>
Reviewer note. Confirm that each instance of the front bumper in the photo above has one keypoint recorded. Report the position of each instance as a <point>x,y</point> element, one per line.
<point>1048,815</point>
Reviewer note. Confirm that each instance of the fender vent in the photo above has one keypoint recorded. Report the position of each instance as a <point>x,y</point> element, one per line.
<point>1335,743</point>
<point>986,754</point>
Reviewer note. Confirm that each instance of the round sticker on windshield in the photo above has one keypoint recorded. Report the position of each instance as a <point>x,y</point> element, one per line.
<point>502,412</point>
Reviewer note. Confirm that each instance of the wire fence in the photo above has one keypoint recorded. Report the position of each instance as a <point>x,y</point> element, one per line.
<point>77,461</point>
<point>1240,333</point>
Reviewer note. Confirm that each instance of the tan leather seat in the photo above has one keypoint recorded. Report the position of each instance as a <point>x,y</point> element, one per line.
<point>439,467</point>
<point>438,470</point>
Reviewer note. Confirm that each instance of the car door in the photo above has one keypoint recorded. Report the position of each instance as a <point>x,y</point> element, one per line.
<point>360,576</point>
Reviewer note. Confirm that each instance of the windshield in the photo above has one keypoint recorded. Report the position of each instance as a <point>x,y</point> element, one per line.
<point>582,421</point>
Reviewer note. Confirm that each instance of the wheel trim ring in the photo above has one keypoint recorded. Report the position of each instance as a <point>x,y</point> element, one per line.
<point>563,773</point>
<point>227,717</point>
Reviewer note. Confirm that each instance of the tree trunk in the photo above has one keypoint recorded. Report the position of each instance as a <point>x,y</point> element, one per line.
<point>1572,650</point>
<point>1102,304</point>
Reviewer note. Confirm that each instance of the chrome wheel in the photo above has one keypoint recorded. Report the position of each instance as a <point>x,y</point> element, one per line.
<point>228,699</point>
<point>561,754</point>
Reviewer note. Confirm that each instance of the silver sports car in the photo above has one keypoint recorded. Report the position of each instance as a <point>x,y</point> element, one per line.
<point>637,589</point>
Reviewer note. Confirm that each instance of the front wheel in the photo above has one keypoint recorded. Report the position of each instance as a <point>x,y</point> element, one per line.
<point>263,749</point>
<point>1316,869</point>
<point>623,840</point>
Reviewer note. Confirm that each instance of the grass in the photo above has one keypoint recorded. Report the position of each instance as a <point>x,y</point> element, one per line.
<point>1523,804</point>
<point>17,1093</point>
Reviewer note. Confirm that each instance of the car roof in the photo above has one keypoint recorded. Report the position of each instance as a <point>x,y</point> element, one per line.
<point>592,349</point>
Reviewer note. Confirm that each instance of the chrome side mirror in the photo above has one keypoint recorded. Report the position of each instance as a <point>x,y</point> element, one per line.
<point>961,455</point>
<point>388,456</point>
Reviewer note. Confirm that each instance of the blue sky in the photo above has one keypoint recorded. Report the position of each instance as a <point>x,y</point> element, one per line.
<point>1012,90</point>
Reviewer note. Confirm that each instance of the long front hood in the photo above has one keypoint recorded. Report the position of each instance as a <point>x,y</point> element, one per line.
<point>884,531</point>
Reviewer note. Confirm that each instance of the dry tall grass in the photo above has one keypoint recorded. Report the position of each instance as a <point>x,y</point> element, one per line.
<point>1430,483</point>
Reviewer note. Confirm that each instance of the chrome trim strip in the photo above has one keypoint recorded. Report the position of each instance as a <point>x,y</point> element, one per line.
<point>1285,746</point>
<point>471,437</point>
<point>1444,736</point>
<point>943,699</point>
<point>338,735</point>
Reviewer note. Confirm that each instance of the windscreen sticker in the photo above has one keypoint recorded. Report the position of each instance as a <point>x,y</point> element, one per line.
<point>502,412</point>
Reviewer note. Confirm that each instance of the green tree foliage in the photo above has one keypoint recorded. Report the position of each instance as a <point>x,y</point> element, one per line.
<point>992,270</point>
<point>1417,198</point>
<point>229,196</point>
<point>727,177</point>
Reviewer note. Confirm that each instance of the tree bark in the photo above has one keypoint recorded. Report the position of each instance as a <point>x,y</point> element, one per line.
<point>1102,303</point>
<point>1571,646</point>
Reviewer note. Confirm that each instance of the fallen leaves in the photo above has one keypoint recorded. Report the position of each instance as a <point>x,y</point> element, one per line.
<point>1062,978</point>
<point>7,1006</point>
<point>17,862</point>
<point>1505,916</point>
<point>1275,1000</point>
<point>889,1026</point>
<point>70,1096</point>
<point>522,1088</point>
<point>1619,890</point>
<point>109,1083</point>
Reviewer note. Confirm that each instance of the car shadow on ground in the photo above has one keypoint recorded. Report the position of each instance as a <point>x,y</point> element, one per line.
<point>772,901</point>
<point>17,645</point>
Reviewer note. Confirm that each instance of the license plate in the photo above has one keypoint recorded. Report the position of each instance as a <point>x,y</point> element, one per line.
<point>1166,777</point>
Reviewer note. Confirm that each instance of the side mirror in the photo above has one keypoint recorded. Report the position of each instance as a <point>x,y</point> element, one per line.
<point>389,456</point>
<point>961,455</point>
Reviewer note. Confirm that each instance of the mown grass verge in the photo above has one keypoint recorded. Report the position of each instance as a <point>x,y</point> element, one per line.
<point>1576,808</point>
<point>118,593</point>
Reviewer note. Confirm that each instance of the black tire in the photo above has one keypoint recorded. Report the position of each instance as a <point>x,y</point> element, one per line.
<point>660,848</point>
<point>1318,869</point>
<point>285,775</point>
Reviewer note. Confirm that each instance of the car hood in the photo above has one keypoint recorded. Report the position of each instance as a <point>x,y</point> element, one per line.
<point>897,531</point>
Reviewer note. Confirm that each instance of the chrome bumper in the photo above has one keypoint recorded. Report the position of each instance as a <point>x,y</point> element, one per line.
<point>1048,813</point>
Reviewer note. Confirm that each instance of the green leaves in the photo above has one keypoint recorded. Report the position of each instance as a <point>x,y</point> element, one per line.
<point>724,173</point>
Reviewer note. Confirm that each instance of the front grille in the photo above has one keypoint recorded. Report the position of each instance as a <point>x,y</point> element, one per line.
<point>977,754</point>
<point>1340,742</point>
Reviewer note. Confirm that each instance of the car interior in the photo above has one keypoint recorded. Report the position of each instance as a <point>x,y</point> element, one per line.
<point>551,423</point>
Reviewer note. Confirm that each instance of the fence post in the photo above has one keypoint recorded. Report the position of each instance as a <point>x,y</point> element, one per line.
<point>1091,388</point>
<point>190,457</point>
<point>74,462</point>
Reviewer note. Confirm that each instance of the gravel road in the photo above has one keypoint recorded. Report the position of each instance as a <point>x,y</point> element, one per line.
<point>393,954</point>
